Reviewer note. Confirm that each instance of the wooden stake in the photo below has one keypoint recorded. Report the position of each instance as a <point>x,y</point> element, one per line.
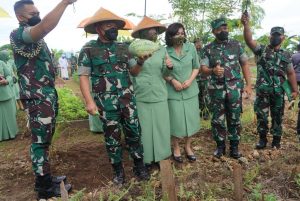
<point>63,192</point>
<point>238,182</point>
<point>167,180</point>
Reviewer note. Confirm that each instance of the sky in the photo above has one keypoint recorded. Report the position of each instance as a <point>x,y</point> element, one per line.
<point>69,38</point>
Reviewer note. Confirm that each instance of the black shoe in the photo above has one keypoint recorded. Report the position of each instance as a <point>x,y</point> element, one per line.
<point>119,178</point>
<point>234,149</point>
<point>178,159</point>
<point>55,179</point>
<point>262,142</point>
<point>221,149</point>
<point>276,142</point>
<point>191,158</point>
<point>47,189</point>
<point>140,170</point>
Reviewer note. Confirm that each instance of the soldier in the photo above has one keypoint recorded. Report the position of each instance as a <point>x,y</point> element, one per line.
<point>273,68</point>
<point>202,81</point>
<point>222,59</point>
<point>37,93</point>
<point>107,62</point>
<point>296,65</point>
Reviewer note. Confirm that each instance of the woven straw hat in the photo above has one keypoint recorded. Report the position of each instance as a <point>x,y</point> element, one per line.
<point>103,15</point>
<point>147,23</point>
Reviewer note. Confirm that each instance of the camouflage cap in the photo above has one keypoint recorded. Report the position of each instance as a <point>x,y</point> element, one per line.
<point>218,22</point>
<point>279,30</point>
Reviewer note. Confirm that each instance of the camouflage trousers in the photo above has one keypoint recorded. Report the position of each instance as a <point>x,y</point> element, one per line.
<point>264,104</point>
<point>118,111</point>
<point>203,96</point>
<point>42,118</point>
<point>226,104</point>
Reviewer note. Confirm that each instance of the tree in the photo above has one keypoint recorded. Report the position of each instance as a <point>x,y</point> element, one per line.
<point>196,15</point>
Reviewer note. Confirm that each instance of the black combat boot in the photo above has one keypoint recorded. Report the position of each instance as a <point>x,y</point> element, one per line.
<point>262,143</point>
<point>234,149</point>
<point>119,178</point>
<point>46,188</point>
<point>55,179</point>
<point>276,142</point>
<point>221,149</point>
<point>140,170</point>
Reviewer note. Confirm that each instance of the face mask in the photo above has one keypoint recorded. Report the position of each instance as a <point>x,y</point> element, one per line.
<point>34,20</point>
<point>153,37</point>
<point>275,40</point>
<point>222,36</point>
<point>178,40</point>
<point>111,34</point>
<point>144,34</point>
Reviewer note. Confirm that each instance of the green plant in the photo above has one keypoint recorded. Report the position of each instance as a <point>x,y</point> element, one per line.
<point>251,174</point>
<point>297,180</point>
<point>70,106</point>
<point>257,194</point>
<point>78,196</point>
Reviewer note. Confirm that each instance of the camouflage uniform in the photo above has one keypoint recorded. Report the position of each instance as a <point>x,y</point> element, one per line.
<point>225,91</point>
<point>272,67</point>
<point>37,93</point>
<point>203,96</point>
<point>108,66</point>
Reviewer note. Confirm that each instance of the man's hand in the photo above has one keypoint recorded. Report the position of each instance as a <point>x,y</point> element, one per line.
<point>3,81</point>
<point>92,108</point>
<point>245,19</point>
<point>295,95</point>
<point>168,62</point>
<point>218,70</point>
<point>141,60</point>
<point>248,90</point>
<point>186,84</point>
<point>177,85</point>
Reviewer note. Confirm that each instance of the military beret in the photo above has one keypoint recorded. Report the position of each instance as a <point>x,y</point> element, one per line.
<point>279,30</point>
<point>218,22</point>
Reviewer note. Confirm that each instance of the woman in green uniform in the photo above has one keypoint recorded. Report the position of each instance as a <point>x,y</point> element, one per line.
<point>8,122</point>
<point>182,90</point>
<point>151,95</point>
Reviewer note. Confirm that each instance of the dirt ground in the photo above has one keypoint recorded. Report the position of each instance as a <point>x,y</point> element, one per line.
<point>81,156</point>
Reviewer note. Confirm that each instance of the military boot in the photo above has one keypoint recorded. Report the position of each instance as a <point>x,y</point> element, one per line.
<point>221,149</point>
<point>262,143</point>
<point>234,149</point>
<point>55,179</point>
<point>276,142</point>
<point>46,188</point>
<point>119,178</point>
<point>140,170</point>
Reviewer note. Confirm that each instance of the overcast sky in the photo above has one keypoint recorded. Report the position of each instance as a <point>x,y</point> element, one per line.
<point>66,36</point>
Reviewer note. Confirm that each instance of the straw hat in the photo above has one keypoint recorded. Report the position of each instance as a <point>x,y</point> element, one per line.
<point>103,15</point>
<point>83,22</point>
<point>147,23</point>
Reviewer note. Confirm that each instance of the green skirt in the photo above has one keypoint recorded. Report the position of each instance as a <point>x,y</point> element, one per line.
<point>155,125</point>
<point>184,117</point>
<point>8,119</point>
<point>95,123</point>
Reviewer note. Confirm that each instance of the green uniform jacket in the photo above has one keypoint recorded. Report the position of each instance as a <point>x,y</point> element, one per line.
<point>183,66</point>
<point>6,91</point>
<point>149,85</point>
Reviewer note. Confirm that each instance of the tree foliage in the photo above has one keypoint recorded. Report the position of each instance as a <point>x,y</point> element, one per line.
<point>196,15</point>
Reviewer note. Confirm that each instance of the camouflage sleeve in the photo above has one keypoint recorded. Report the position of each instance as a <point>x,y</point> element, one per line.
<point>243,55</point>
<point>289,67</point>
<point>196,63</point>
<point>84,63</point>
<point>26,35</point>
<point>258,50</point>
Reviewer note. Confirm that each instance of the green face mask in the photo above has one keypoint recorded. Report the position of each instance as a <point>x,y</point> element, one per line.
<point>144,34</point>
<point>178,40</point>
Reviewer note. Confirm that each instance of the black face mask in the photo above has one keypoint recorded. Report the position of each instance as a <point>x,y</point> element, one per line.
<point>222,36</point>
<point>111,34</point>
<point>275,40</point>
<point>34,20</point>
